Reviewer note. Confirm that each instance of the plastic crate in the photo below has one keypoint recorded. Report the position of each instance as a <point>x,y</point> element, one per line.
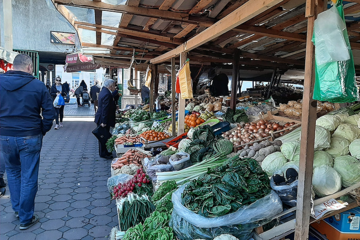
<point>220,128</point>
<point>175,142</point>
<point>211,122</point>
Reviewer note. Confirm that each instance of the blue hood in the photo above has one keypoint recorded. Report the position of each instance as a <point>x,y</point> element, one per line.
<point>13,80</point>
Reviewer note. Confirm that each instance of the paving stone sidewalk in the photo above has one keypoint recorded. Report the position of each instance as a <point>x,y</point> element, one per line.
<point>72,201</point>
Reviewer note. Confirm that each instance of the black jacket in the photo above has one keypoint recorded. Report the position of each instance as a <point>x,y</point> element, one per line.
<point>93,90</point>
<point>26,108</point>
<point>106,111</point>
<point>66,87</point>
<point>83,84</point>
<point>54,90</point>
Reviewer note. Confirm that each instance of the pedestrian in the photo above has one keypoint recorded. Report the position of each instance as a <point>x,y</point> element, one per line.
<point>145,94</point>
<point>83,84</point>
<point>26,114</point>
<point>94,91</point>
<point>2,171</point>
<point>66,89</point>
<point>78,93</point>
<point>58,89</point>
<point>105,116</point>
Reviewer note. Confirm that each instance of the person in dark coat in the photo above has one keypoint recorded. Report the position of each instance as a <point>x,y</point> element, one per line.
<point>78,93</point>
<point>94,90</point>
<point>26,115</point>
<point>145,94</point>
<point>83,84</point>
<point>55,90</point>
<point>219,86</point>
<point>66,89</point>
<point>105,116</point>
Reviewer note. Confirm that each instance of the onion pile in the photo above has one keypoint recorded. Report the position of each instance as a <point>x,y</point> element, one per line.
<point>256,131</point>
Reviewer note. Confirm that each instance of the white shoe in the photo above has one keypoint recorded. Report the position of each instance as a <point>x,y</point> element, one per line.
<point>61,125</point>
<point>56,127</point>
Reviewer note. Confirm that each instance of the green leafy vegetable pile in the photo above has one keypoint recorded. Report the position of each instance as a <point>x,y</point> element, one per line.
<point>225,189</point>
<point>162,197</point>
<point>155,227</point>
<point>110,144</point>
<point>157,115</point>
<point>133,210</point>
<point>140,115</point>
<point>236,117</point>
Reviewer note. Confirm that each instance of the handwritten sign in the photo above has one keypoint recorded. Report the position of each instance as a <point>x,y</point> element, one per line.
<point>328,206</point>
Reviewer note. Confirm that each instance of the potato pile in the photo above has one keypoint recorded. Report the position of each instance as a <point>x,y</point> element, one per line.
<point>294,108</point>
<point>259,151</point>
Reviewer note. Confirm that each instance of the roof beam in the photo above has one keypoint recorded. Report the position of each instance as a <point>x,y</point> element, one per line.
<point>84,44</point>
<point>129,32</point>
<point>166,5</point>
<point>149,23</point>
<point>218,8</point>
<point>146,12</point>
<point>271,33</point>
<point>185,31</point>
<point>137,57</point>
<point>98,20</point>
<point>169,45</point>
<point>231,8</point>
<point>247,11</point>
<point>199,6</point>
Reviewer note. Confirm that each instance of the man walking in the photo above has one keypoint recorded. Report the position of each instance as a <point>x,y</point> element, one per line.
<point>105,116</point>
<point>94,90</point>
<point>26,114</point>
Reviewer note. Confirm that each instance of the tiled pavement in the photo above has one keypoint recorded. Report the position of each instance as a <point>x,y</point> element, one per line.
<point>72,201</point>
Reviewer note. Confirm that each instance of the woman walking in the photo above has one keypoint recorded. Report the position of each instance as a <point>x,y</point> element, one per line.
<point>56,90</point>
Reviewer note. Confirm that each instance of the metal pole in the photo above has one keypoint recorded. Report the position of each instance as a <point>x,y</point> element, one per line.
<point>235,76</point>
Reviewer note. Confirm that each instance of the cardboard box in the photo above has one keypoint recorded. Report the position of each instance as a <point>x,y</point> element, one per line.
<point>343,226</point>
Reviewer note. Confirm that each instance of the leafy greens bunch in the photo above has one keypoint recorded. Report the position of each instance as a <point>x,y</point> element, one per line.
<point>225,189</point>
<point>155,227</point>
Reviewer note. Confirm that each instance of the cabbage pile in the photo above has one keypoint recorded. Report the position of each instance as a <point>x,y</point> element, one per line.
<point>348,131</point>
<point>326,181</point>
<point>291,150</point>
<point>349,169</point>
<point>329,122</point>
<point>354,148</point>
<point>273,163</point>
<point>339,147</point>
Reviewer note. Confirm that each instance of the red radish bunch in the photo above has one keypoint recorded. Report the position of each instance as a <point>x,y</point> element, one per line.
<point>122,190</point>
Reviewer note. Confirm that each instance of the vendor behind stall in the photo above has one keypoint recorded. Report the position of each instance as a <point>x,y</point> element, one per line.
<point>145,94</point>
<point>219,85</point>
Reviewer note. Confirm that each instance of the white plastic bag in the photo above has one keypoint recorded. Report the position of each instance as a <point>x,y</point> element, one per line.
<point>330,45</point>
<point>262,209</point>
<point>115,180</point>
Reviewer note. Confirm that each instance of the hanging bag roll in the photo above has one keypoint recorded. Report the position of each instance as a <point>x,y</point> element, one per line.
<point>334,70</point>
<point>185,82</point>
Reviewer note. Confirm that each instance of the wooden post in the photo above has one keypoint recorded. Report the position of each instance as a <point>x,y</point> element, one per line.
<point>235,76</point>
<point>151,100</point>
<point>173,93</point>
<point>156,86</point>
<point>307,129</point>
<point>181,114</point>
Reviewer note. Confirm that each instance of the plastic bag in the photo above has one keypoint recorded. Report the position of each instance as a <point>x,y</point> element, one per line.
<point>181,164</point>
<point>264,208</point>
<point>335,81</point>
<point>115,180</point>
<point>185,82</point>
<point>148,78</point>
<point>152,170</point>
<point>61,101</point>
<point>56,102</point>
<point>329,39</point>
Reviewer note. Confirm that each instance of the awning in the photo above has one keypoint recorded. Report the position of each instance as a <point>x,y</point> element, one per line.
<point>7,55</point>
<point>78,62</point>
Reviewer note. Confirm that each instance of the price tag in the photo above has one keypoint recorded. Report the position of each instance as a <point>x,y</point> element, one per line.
<point>354,225</point>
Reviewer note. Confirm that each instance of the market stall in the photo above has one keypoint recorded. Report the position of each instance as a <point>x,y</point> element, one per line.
<point>251,166</point>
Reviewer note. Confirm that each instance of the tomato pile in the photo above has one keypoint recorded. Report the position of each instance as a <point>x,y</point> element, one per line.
<point>193,120</point>
<point>139,179</point>
<point>152,135</point>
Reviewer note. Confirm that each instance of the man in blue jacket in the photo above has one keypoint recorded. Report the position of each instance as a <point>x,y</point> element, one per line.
<point>26,114</point>
<point>105,116</point>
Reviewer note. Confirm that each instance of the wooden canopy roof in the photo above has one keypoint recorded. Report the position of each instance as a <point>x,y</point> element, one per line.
<point>274,38</point>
